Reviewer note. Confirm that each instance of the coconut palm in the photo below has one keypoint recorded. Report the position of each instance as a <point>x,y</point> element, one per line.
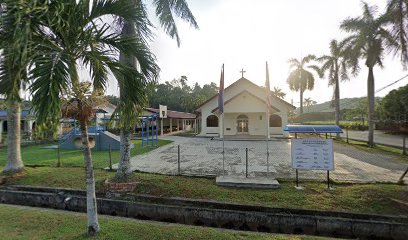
<point>278,92</point>
<point>300,79</point>
<point>336,66</point>
<point>397,17</point>
<point>166,11</point>
<point>77,35</point>
<point>309,102</point>
<point>369,40</point>
<point>18,24</point>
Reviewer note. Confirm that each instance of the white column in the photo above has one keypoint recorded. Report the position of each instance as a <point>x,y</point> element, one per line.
<point>171,125</point>
<point>178,125</point>
<point>195,126</point>
<point>184,124</point>
<point>161,127</point>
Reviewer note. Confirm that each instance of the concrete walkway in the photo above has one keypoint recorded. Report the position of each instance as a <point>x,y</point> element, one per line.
<point>202,156</point>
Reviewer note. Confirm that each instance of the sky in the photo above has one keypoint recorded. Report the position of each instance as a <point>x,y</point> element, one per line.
<point>247,33</point>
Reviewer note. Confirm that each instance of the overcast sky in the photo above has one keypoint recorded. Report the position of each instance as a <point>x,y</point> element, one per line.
<point>246,33</point>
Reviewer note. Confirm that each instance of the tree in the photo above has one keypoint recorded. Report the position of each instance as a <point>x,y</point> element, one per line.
<point>300,79</point>
<point>309,102</point>
<point>335,65</point>
<point>368,40</point>
<point>166,11</point>
<point>18,24</point>
<point>75,34</point>
<point>397,19</point>
<point>278,92</point>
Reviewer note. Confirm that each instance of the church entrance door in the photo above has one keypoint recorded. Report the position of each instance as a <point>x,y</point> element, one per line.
<point>242,124</point>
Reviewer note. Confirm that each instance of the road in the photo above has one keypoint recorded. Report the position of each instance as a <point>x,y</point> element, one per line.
<point>379,137</point>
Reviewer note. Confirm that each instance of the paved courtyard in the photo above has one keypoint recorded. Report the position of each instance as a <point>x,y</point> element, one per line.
<point>202,156</point>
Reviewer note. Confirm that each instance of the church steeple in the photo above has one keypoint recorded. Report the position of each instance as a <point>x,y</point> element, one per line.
<point>242,73</point>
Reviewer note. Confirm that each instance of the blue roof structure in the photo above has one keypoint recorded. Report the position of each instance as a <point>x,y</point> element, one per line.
<point>313,129</point>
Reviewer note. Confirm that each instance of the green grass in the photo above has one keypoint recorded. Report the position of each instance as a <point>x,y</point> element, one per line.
<point>186,134</point>
<point>359,198</point>
<point>35,155</point>
<point>34,223</point>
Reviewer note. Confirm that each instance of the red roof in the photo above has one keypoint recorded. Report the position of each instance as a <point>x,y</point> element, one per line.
<point>174,114</point>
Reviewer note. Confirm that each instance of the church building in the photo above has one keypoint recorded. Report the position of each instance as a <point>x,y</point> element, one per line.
<point>244,112</point>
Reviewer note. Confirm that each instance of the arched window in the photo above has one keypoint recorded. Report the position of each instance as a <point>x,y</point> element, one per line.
<point>212,121</point>
<point>275,121</point>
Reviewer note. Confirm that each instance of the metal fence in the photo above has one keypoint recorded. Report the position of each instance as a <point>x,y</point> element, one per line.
<point>204,157</point>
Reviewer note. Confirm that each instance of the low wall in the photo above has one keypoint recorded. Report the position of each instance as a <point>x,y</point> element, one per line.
<point>216,214</point>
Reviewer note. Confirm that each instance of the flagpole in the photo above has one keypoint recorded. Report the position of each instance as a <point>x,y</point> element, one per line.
<point>223,144</point>
<point>268,92</point>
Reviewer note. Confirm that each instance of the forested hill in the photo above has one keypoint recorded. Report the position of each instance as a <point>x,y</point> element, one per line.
<point>345,103</point>
<point>178,95</point>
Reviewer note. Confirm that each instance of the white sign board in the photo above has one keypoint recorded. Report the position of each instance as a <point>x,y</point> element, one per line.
<point>163,111</point>
<point>312,154</point>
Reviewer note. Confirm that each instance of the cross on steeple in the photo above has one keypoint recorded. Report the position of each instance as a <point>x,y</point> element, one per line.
<point>242,72</point>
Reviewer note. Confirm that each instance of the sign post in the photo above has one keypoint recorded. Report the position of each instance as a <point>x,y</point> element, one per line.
<point>312,154</point>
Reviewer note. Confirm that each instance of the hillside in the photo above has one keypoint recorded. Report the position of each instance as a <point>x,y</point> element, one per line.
<point>345,103</point>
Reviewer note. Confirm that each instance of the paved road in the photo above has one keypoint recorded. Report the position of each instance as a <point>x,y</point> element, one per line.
<point>379,137</point>
<point>201,156</point>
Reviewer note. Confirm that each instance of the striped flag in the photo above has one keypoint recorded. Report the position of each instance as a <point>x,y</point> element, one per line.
<point>268,88</point>
<point>221,92</point>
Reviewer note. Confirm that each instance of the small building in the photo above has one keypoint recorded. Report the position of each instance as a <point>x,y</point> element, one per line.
<point>175,121</point>
<point>244,112</point>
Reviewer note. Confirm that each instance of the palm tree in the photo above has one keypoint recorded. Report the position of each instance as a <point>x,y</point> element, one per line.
<point>397,17</point>
<point>18,23</point>
<point>278,92</point>
<point>76,34</point>
<point>309,102</point>
<point>368,40</point>
<point>299,78</point>
<point>336,66</point>
<point>166,11</point>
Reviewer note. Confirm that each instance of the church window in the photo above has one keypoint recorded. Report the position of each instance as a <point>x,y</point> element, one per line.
<point>212,121</point>
<point>275,121</point>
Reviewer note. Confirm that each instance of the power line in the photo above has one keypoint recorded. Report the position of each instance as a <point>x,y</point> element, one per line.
<point>389,85</point>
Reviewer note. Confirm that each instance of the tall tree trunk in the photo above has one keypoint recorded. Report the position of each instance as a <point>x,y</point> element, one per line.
<point>14,162</point>
<point>124,169</point>
<point>337,103</point>
<point>371,102</point>
<point>301,101</point>
<point>91,208</point>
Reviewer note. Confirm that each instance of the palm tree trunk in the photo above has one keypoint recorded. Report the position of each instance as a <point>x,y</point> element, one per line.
<point>371,102</point>
<point>91,208</point>
<point>124,170</point>
<point>14,162</point>
<point>301,101</point>
<point>337,104</point>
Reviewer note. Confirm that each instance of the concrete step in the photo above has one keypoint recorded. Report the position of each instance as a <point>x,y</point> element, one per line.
<point>250,182</point>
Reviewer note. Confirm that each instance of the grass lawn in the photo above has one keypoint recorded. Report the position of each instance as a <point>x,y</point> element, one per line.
<point>36,155</point>
<point>33,223</point>
<point>359,198</point>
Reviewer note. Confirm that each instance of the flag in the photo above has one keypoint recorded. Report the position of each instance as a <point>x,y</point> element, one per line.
<point>221,92</point>
<point>268,88</point>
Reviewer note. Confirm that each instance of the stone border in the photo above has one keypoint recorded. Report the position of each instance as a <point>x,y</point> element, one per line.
<point>216,214</point>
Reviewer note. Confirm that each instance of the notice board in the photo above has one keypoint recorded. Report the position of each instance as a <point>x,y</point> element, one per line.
<point>312,154</point>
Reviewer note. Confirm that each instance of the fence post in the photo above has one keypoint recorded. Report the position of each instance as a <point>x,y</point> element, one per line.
<point>178,160</point>
<point>347,135</point>
<point>246,162</point>
<point>58,155</point>
<point>110,157</point>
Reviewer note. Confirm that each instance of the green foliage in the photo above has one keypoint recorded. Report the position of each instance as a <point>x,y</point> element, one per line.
<point>179,96</point>
<point>395,104</point>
